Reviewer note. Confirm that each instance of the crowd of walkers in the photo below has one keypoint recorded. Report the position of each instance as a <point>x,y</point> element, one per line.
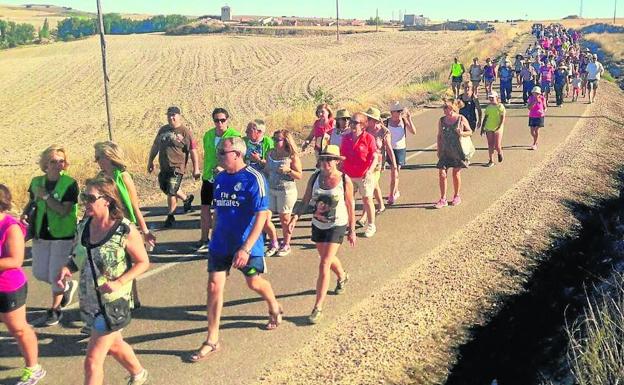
<point>246,179</point>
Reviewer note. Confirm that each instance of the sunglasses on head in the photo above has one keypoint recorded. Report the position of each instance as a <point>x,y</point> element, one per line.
<point>90,198</point>
<point>219,120</point>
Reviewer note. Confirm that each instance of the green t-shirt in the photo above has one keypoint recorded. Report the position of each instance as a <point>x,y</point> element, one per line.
<point>493,115</point>
<point>457,69</point>
<point>210,150</point>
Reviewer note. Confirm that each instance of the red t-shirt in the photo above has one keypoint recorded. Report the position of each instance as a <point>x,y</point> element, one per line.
<point>359,154</point>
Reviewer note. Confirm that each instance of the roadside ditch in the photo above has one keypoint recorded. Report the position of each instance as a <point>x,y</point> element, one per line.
<point>526,342</point>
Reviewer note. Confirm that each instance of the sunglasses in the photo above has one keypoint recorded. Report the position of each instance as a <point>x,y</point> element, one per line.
<point>223,152</point>
<point>278,139</point>
<point>355,122</point>
<point>399,111</point>
<point>90,198</point>
<point>57,161</point>
<point>220,120</point>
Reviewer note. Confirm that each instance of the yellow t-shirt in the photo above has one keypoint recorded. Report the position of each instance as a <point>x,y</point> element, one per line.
<point>493,116</point>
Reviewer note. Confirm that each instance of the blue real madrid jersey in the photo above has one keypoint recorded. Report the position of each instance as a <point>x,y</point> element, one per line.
<point>237,199</point>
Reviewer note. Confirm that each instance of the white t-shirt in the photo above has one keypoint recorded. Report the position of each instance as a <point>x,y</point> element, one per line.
<point>397,134</point>
<point>593,70</point>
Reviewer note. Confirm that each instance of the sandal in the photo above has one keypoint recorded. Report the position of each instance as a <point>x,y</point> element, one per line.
<point>275,319</point>
<point>198,356</point>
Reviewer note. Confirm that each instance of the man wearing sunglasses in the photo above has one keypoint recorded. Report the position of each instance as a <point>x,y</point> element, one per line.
<point>173,145</point>
<point>212,138</point>
<point>241,210</point>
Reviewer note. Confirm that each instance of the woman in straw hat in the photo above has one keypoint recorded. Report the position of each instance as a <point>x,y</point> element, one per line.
<point>330,193</point>
<point>537,112</point>
<point>399,123</point>
<point>342,125</point>
<point>451,127</point>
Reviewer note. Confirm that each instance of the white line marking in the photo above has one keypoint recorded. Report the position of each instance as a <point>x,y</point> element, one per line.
<point>421,152</point>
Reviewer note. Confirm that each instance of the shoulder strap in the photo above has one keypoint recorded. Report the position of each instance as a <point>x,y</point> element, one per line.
<point>344,186</point>
<point>95,285</point>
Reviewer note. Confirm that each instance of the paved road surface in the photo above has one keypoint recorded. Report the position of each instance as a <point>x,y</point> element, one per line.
<point>172,320</point>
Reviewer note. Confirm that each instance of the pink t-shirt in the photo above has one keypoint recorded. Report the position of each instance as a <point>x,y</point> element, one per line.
<point>538,110</point>
<point>10,279</point>
<point>547,73</point>
<point>322,132</point>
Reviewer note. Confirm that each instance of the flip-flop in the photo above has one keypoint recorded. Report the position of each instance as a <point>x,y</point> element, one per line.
<point>275,319</point>
<point>198,356</point>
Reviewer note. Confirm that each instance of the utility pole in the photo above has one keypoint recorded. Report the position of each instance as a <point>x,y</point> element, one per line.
<point>581,12</point>
<point>377,20</point>
<point>614,11</point>
<point>106,79</point>
<point>337,24</point>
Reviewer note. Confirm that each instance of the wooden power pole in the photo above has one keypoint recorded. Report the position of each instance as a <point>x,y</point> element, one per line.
<point>337,24</point>
<point>106,79</point>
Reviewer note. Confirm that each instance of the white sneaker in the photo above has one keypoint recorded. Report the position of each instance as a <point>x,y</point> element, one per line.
<point>370,230</point>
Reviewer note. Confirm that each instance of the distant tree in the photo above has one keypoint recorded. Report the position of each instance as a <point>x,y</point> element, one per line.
<point>374,21</point>
<point>12,34</point>
<point>44,31</point>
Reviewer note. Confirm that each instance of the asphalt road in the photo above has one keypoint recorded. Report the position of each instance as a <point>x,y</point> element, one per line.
<point>172,321</point>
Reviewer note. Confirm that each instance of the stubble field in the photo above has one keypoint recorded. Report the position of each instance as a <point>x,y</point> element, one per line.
<point>54,93</point>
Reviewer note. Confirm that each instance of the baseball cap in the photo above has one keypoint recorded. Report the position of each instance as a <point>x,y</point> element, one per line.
<point>173,110</point>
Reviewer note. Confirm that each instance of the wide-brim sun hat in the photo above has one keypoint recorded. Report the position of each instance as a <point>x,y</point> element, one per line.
<point>536,90</point>
<point>373,113</point>
<point>343,114</point>
<point>331,151</point>
<point>396,106</point>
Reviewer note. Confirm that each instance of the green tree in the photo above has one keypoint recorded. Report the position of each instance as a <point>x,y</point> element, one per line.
<point>44,32</point>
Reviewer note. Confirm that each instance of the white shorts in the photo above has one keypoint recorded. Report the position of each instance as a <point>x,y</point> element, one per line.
<point>48,257</point>
<point>282,201</point>
<point>366,185</point>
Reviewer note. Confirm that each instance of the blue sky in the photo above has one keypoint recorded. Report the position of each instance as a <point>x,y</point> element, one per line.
<point>362,9</point>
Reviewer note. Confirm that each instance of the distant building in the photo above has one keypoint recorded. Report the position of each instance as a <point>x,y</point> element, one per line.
<point>412,20</point>
<point>226,13</point>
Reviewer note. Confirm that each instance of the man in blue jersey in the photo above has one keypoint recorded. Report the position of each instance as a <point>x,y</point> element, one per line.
<point>240,202</point>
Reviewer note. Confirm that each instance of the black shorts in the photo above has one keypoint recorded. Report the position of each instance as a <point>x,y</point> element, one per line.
<point>536,122</point>
<point>13,300</point>
<point>333,235</point>
<point>255,265</point>
<point>458,79</point>
<point>169,182</point>
<point>207,193</point>
<point>592,84</point>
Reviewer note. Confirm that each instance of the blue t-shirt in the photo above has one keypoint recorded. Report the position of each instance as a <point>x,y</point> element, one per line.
<point>560,77</point>
<point>237,199</point>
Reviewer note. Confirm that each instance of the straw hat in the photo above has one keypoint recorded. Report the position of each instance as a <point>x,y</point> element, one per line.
<point>536,90</point>
<point>373,113</point>
<point>343,114</point>
<point>331,151</point>
<point>396,106</point>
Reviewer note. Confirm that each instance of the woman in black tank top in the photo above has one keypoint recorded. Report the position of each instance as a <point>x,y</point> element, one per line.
<point>472,108</point>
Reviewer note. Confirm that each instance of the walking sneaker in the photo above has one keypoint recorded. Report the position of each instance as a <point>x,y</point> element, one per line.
<point>500,158</point>
<point>188,203</point>
<point>203,247</point>
<point>456,201</point>
<point>68,295</point>
<point>284,250</point>
<point>53,317</point>
<point>340,285</point>
<point>489,164</point>
<point>371,229</point>
<point>169,221</point>
<point>31,376</point>
<point>139,379</point>
<point>316,316</point>
<point>272,250</point>
<point>441,203</point>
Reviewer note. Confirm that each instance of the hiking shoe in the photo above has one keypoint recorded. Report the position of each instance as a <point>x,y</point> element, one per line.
<point>316,316</point>
<point>68,295</point>
<point>284,250</point>
<point>272,250</point>
<point>139,379</point>
<point>371,229</point>
<point>188,203</point>
<point>203,247</point>
<point>85,330</point>
<point>169,221</point>
<point>500,158</point>
<point>489,164</point>
<point>50,318</point>
<point>31,376</point>
<point>441,203</point>
<point>340,285</point>
<point>456,201</point>
<point>360,223</point>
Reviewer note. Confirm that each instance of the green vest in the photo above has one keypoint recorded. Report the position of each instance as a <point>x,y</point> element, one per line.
<point>59,226</point>
<point>210,151</point>
<point>124,194</point>
<point>457,69</point>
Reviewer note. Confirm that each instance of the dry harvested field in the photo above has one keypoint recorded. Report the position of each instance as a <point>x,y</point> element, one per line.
<point>35,16</point>
<point>53,94</point>
<point>612,43</point>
